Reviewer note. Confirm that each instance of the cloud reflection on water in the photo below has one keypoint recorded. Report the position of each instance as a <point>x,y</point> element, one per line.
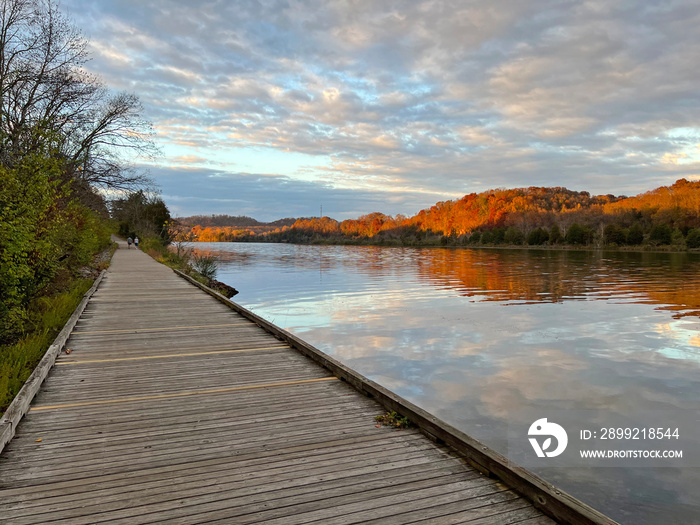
<point>477,336</point>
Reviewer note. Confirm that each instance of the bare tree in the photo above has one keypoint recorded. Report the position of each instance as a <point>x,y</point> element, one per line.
<point>111,132</point>
<point>49,104</point>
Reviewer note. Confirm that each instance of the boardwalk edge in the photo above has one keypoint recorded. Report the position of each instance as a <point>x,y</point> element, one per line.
<point>552,501</point>
<point>20,404</point>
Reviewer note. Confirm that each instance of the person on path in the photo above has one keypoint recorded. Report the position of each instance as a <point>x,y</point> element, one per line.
<point>136,242</point>
<point>129,241</point>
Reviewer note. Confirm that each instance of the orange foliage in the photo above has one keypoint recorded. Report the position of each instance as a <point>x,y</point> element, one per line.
<point>522,208</point>
<point>525,207</point>
<point>210,234</point>
<point>369,225</point>
<point>677,205</point>
<point>324,225</point>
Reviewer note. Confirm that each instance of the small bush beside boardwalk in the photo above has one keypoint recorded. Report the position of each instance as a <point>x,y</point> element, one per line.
<point>180,256</point>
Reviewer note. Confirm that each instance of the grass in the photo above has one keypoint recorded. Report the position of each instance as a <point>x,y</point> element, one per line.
<point>205,265</point>
<point>178,260</point>
<point>200,267</point>
<point>48,315</point>
<point>392,419</point>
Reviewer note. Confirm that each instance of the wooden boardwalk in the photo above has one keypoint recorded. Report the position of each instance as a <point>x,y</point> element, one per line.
<point>172,408</point>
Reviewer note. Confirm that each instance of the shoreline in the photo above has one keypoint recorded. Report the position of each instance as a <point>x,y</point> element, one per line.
<point>543,247</point>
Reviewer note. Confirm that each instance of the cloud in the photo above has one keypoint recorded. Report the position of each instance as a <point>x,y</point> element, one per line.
<point>189,160</point>
<point>439,97</point>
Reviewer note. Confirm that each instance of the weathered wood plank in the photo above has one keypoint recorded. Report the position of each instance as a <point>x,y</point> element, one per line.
<point>386,506</point>
<point>168,440</point>
<point>212,487</point>
<point>244,404</point>
<point>197,477</point>
<point>174,472</point>
<point>280,504</point>
<point>67,469</point>
<point>74,424</point>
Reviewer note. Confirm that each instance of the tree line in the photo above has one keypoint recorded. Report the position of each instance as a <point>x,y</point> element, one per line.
<point>668,215</point>
<point>232,221</point>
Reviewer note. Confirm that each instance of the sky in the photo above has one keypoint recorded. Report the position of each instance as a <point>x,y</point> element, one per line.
<point>275,108</point>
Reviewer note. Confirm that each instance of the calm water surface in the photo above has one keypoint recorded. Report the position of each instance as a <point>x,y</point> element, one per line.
<point>476,336</point>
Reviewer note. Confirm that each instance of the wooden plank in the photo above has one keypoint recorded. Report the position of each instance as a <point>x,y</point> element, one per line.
<point>163,437</point>
<point>225,410</point>
<point>386,506</point>
<point>284,503</point>
<point>258,415</point>
<point>210,467</point>
<point>179,394</point>
<point>224,484</point>
<point>251,433</point>
<point>257,481</point>
<point>252,402</point>
<point>487,508</point>
<point>193,403</point>
<point>211,489</point>
<point>142,484</point>
<point>83,362</point>
<point>65,472</point>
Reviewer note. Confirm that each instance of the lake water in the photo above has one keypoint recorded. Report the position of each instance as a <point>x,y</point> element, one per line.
<point>479,337</point>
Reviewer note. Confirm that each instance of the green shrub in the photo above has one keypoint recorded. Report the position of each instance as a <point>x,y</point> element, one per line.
<point>498,235</point>
<point>635,235</point>
<point>513,236</point>
<point>577,234</point>
<point>142,215</point>
<point>538,236</point>
<point>661,234</point>
<point>613,234</point>
<point>46,317</point>
<point>677,237</point>
<point>32,228</point>
<point>693,238</point>
<point>555,236</point>
<point>392,419</point>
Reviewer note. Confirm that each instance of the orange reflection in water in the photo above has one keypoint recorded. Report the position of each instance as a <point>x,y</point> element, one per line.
<point>547,276</point>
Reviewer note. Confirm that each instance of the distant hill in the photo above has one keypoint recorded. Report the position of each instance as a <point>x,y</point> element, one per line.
<point>241,221</point>
<point>669,215</point>
<point>216,228</point>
